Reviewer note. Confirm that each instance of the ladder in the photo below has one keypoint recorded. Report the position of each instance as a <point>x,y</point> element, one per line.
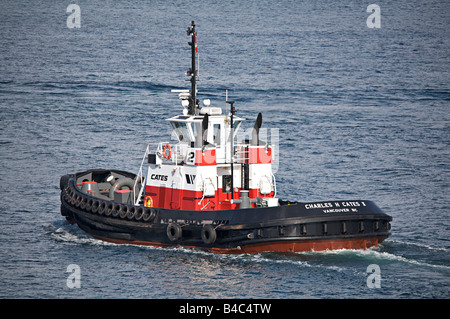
<point>140,179</point>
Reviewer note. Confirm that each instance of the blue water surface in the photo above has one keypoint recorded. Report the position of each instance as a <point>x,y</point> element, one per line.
<point>361,113</point>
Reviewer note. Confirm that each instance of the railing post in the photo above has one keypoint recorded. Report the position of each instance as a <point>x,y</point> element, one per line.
<point>139,177</point>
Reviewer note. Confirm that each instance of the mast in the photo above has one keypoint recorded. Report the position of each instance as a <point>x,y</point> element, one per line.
<point>231,145</point>
<point>192,72</point>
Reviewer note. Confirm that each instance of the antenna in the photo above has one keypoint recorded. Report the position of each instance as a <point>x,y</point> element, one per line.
<point>231,144</point>
<point>192,72</point>
<point>226,99</point>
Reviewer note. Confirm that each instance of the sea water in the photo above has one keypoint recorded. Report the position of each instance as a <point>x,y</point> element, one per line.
<point>359,101</point>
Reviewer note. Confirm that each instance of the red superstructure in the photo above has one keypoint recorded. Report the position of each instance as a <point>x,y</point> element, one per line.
<point>205,169</point>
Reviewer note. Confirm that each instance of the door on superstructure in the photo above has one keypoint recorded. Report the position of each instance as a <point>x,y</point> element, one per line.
<point>219,141</point>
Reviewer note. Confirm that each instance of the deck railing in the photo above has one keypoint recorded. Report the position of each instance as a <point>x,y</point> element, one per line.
<point>174,153</point>
<point>140,179</point>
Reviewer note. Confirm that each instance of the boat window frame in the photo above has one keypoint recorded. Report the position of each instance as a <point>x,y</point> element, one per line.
<point>181,128</point>
<point>217,134</point>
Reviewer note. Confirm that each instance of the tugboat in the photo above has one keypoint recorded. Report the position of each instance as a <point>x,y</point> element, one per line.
<point>210,192</point>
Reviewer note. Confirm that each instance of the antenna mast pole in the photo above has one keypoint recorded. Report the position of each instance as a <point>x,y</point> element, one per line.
<point>233,110</point>
<point>192,72</point>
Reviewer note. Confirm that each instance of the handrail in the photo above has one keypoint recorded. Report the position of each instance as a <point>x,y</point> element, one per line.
<point>140,178</point>
<point>178,152</point>
<point>140,175</point>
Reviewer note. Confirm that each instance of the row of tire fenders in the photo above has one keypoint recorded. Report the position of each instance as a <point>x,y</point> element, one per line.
<point>107,208</point>
<point>129,212</point>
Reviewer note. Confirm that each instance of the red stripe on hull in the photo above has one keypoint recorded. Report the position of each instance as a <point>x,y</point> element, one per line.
<point>315,245</point>
<point>208,157</point>
<point>172,198</point>
<point>273,246</point>
<point>254,154</point>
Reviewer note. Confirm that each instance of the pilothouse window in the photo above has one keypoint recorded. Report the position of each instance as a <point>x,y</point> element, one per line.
<point>182,131</point>
<point>217,134</point>
<point>194,126</point>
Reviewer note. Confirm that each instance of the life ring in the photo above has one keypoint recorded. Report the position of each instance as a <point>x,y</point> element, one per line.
<point>174,232</point>
<point>209,234</point>
<point>165,148</point>
<point>148,201</point>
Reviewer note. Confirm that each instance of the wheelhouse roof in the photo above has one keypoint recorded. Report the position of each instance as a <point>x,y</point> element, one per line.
<point>195,118</point>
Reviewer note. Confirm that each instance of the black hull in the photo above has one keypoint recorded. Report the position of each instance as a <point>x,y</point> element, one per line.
<point>292,226</point>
